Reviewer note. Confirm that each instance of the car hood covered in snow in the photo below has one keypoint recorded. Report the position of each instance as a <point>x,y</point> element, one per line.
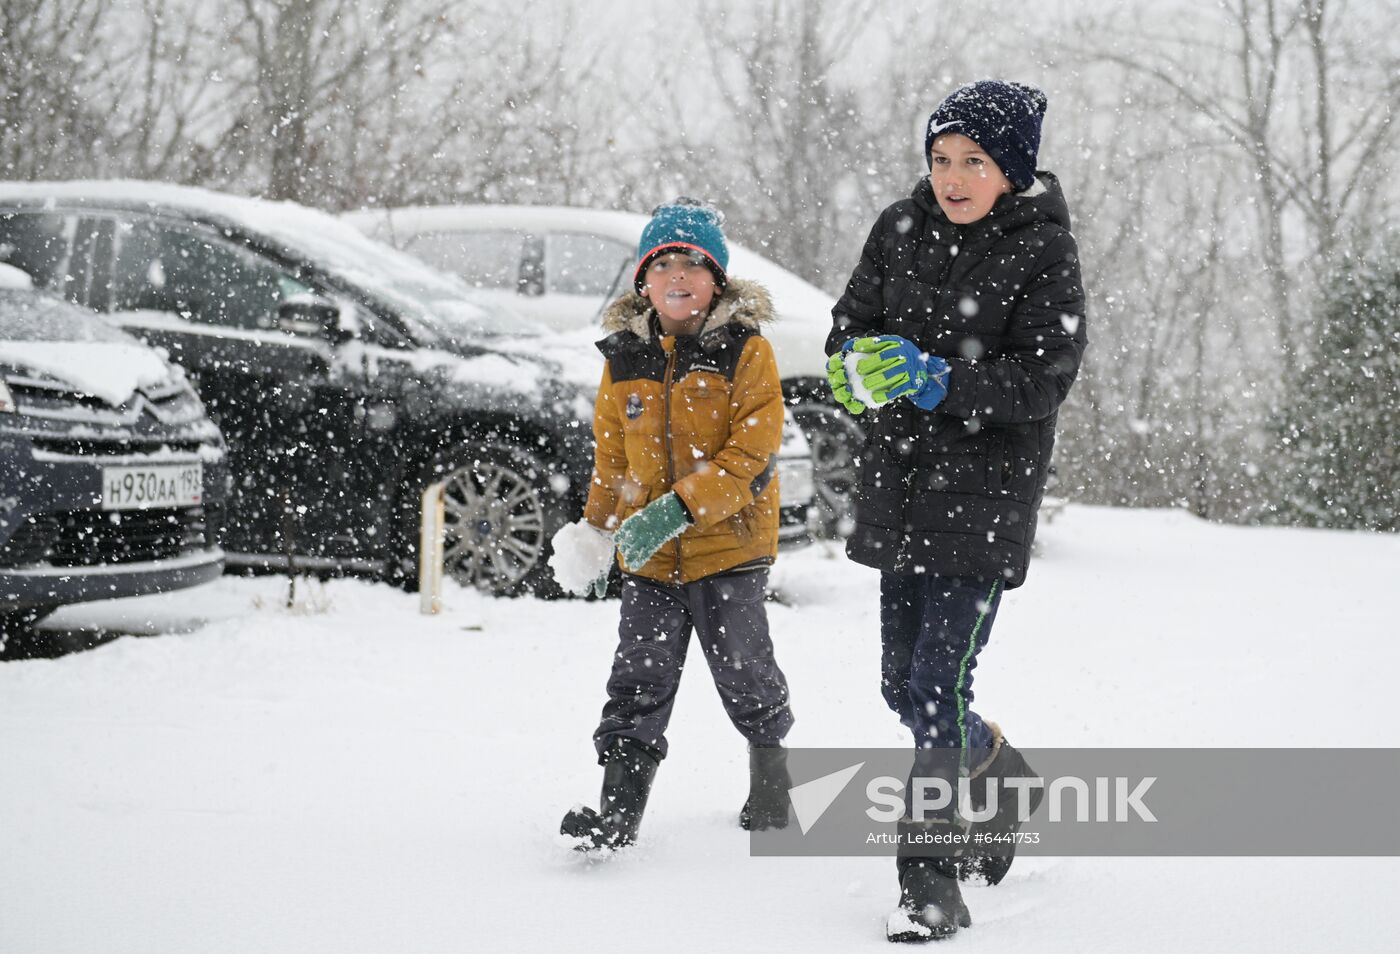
<point>53,340</point>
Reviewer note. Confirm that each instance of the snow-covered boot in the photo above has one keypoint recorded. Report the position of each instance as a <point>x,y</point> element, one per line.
<point>989,858</point>
<point>930,902</point>
<point>769,782</point>
<point>629,768</point>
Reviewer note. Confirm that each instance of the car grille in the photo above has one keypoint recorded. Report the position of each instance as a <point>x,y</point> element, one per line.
<point>124,446</point>
<point>171,400</point>
<point>94,537</point>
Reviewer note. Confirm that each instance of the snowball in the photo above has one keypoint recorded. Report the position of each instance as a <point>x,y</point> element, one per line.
<point>858,389</point>
<point>582,553</point>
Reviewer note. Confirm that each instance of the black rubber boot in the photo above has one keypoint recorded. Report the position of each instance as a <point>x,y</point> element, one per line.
<point>629,768</point>
<point>769,782</point>
<point>931,906</point>
<point>989,859</point>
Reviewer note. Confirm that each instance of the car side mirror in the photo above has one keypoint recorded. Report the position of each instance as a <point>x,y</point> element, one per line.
<point>317,317</point>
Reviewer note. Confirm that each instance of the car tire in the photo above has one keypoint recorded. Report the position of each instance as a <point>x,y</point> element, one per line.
<point>835,440</point>
<point>502,506</point>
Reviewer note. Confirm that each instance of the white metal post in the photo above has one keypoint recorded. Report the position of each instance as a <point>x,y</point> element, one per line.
<point>430,550</point>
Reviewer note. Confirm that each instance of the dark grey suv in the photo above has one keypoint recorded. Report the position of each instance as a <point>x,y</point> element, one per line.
<point>111,475</point>
<point>345,377</point>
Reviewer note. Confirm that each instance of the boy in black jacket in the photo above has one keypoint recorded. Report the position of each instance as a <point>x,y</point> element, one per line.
<point>961,329</point>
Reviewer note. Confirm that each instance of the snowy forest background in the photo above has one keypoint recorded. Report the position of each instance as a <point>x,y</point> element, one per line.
<point>1230,165</point>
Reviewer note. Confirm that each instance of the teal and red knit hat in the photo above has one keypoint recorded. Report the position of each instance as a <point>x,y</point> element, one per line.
<point>683,225</point>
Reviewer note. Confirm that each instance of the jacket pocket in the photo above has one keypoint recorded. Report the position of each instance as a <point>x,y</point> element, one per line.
<point>748,587</point>
<point>700,418</point>
<point>1000,468</point>
<point>1010,474</point>
<point>742,525</point>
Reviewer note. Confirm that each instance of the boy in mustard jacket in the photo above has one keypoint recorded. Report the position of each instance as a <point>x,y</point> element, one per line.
<point>688,421</point>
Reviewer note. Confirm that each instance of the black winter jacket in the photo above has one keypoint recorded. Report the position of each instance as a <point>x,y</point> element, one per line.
<point>955,491</point>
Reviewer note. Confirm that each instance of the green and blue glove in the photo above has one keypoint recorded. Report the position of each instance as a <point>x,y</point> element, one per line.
<point>894,367</point>
<point>840,386</point>
<point>649,529</point>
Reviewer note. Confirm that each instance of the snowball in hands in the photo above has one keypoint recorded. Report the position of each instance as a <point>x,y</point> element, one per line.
<point>582,553</point>
<point>853,380</point>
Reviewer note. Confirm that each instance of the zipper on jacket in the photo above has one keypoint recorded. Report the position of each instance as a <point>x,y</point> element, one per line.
<point>912,476</point>
<point>670,457</point>
<point>956,247</point>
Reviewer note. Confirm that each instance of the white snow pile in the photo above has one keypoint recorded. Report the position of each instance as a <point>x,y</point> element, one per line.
<point>109,371</point>
<point>11,277</point>
<point>582,553</point>
<point>347,776</point>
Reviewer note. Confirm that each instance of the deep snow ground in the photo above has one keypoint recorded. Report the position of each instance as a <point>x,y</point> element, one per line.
<point>350,776</point>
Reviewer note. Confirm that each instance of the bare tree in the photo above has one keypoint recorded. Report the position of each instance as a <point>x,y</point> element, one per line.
<point>791,138</point>
<point>297,64</point>
<point>54,100</point>
<point>535,112</point>
<point>169,101</point>
<point>1264,80</point>
<point>1165,406</point>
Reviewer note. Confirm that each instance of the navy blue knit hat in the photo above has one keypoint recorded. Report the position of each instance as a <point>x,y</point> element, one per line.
<point>683,224</point>
<point>1003,118</point>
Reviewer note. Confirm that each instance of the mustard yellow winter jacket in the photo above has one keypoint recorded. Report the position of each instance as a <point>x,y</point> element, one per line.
<point>701,415</point>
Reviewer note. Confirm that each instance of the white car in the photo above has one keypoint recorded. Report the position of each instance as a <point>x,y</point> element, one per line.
<point>561,266</point>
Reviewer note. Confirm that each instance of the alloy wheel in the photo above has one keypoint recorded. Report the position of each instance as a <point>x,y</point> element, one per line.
<point>494,525</point>
<point>835,441</point>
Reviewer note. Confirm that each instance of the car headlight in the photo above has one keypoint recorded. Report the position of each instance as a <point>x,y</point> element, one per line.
<point>796,482</point>
<point>7,400</point>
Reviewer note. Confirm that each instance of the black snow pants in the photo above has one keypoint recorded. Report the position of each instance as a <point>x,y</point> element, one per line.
<point>727,613</point>
<point>932,629</point>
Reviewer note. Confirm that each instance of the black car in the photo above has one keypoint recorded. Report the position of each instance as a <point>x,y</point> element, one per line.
<point>345,376</point>
<point>111,475</point>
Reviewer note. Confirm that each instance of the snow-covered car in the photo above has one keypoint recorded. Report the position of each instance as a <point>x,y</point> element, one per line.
<point>560,266</point>
<point>111,474</point>
<point>346,377</point>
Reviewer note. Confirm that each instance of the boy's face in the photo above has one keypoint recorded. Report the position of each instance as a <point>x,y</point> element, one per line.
<point>966,182</point>
<point>681,287</point>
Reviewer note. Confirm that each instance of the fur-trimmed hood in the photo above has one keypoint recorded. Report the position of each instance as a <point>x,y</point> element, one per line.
<point>745,302</point>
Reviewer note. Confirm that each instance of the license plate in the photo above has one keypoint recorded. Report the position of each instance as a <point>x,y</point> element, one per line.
<point>141,487</point>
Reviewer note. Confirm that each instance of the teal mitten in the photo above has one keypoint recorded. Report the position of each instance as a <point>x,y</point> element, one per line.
<point>649,529</point>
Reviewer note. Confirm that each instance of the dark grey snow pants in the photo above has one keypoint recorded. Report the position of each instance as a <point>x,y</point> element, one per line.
<point>727,613</point>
